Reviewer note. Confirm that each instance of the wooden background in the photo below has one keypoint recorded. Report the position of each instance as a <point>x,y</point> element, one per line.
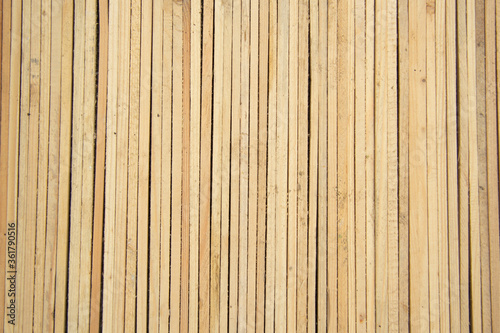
<point>246,165</point>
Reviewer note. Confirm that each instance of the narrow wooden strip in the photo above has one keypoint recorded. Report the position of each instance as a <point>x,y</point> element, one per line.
<point>156,167</point>
<point>360,160</point>
<point>95,296</point>
<point>175,277</point>
<point>271,170</point>
<point>216,189</point>
<point>492,160</point>
<point>463,163</point>
<point>226,168</point>
<point>302,173</point>
<point>342,165</point>
<point>194,202</point>
<point>322,165</point>
<point>441,95</point>
<point>53,169</point>
<point>43,161</point>
<point>64,167</point>
<point>262,176</point>
<point>370,165</point>
<point>109,283</point>
<point>432,181</point>
<point>186,58</point>
<point>26,311</point>
<point>482,165</point>
<point>133,168</point>
<point>475,236</point>
<point>280,314</point>
<point>253,164</point>
<point>144,161</point>
<point>452,171</point>
<point>205,165</point>
<point>88,154</point>
<point>244,167</point>
<point>419,269</point>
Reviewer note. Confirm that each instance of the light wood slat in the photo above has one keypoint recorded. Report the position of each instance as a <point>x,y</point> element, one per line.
<point>235,169</point>
<point>419,269</point>
<point>194,158</point>
<point>177,90</point>
<point>271,169</point>
<point>109,284</point>
<point>492,160</point>
<point>26,310</point>
<point>322,303</point>
<point>53,169</point>
<point>95,296</point>
<point>216,190</point>
<point>432,181</point>
<point>262,160</point>
<point>253,164</point>
<point>156,166</point>
<point>302,163</point>
<point>226,167</point>
<point>43,159</point>
<point>4,260</point>
<point>205,165</point>
<point>441,95</point>
<point>64,167</point>
<point>186,54</point>
<point>452,159</point>
<point>360,168</point>
<point>133,168</point>
<point>370,165</point>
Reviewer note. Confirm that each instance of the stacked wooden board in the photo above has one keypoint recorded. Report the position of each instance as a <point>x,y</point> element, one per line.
<point>249,165</point>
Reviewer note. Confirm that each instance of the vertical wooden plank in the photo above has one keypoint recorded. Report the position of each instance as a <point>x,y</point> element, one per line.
<point>302,186</point>
<point>216,166</point>
<point>293,97</point>
<point>313,163</point>
<point>281,167</point>
<point>53,169</point>
<point>26,310</point>
<point>419,282</point>
<point>432,198</point>
<point>194,158</point>
<point>463,163</point>
<point>482,164</point>
<point>144,159</point>
<point>133,167</point>
<point>253,164</point>
<point>4,261</point>
<point>322,164</point>
<point>475,237</point>
<point>441,97</point>
<point>175,277</point>
<point>64,167</point>
<point>205,165</point>
<point>492,160</point>
<point>271,170</point>
<point>186,63</point>
<point>95,296</point>
<point>156,167</point>
<point>109,283</point>
<point>381,172</point>
<point>43,159</point>
<point>452,159</point>
<point>359,160</point>
<point>89,109</point>
<point>244,167</point>
<point>370,165</point>
<point>226,167</point>
<point>262,160</point>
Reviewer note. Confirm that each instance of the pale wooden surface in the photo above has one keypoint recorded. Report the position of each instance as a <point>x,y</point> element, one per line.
<point>245,165</point>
